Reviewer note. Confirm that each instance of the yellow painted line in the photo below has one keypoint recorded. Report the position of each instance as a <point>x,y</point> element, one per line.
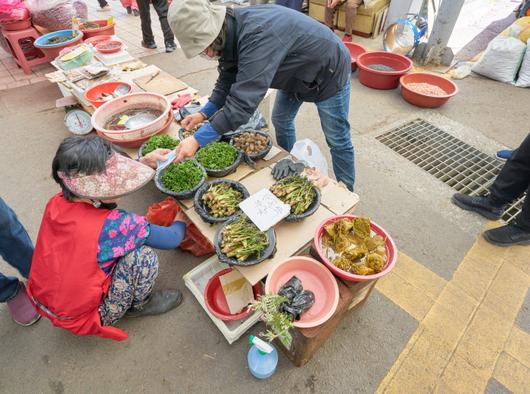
<point>518,346</point>
<point>512,374</point>
<point>467,325</point>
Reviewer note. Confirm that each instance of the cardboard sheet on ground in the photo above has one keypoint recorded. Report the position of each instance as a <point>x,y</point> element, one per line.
<point>238,292</point>
<point>162,83</point>
<point>337,198</point>
<point>291,237</point>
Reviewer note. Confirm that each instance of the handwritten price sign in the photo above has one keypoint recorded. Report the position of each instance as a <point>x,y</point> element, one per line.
<point>264,209</point>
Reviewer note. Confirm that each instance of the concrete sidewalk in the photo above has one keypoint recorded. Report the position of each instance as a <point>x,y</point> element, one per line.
<point>452,317</point>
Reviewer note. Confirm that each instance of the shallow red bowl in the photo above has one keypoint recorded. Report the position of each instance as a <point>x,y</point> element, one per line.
<point>355,50</point>
<point>136,143</point>
<point>427,100</point>
<point>378,79</point>
<point>391,251</point>
<point>95,40</point>
<point>100,47</point>
<point>215,299</point>
<point>315,277</point>
<point>93,94</point>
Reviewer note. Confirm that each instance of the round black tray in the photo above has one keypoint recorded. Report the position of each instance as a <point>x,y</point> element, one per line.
<point>263,153</point>
<point>310,210</point>
<point>204,211</point>
<point>184,195</point>
<point>266,254</point>
<point>141,148</point>
<point>221,172</point>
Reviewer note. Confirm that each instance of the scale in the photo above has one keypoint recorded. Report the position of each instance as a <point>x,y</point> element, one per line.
<point>77,121</point>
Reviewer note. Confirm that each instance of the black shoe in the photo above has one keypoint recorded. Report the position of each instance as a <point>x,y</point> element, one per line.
<point>159,302</point>
<point>149,45</point>
<point>136,12</point>
<point>170,46</point>
<point>508,235</point>
<point>129,10</point>
<point>481,205</point>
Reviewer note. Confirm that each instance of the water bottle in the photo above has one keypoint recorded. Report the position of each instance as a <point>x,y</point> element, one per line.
<point>262,358</point>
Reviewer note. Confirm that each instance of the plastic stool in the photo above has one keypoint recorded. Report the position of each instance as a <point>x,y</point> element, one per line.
<point>21,45</point>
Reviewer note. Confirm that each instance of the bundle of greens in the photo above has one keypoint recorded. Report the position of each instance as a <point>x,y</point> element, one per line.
<point>279,323</point>
<point>159,141</point>
<point>350,246</point>
<point>297,191</point>
<point>222,200</point>
<point>217,155</point>
<point>242,239</point>
<point>182,176</point>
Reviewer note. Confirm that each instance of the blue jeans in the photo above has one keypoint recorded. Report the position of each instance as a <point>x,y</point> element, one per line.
<point>293,4</point>
<point>333,114</point>
<point>15,248</point>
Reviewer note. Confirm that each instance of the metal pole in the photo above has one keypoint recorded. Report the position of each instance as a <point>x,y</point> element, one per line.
<point>436,50</point>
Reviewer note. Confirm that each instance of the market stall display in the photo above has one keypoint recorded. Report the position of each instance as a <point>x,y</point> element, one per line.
<point>254,144</point>
<point>218,201</point>
<point>219,158</point>
<point>181,180</point>
<point>382,70</point>
<point>109,46</point>
<point>53,43</point>
<point>74,57</point>
<point>158,141</point>
<point>103,92</point>
<point>97,28</point>
<point>427,90</point>
<point>300,193</point>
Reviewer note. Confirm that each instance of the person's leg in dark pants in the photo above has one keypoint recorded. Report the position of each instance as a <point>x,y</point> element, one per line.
<point>103,5</point>
<point>148,40</point>
<point>161,8</point>
<point>286,107</point>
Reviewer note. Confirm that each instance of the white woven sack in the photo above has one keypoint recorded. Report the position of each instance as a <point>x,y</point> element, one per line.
<point>502,59</point>
<point>524,72</point>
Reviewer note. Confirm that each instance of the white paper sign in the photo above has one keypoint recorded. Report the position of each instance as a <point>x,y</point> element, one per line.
<point>264,209</point>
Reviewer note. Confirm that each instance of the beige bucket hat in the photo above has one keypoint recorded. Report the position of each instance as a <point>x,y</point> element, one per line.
<point>196,24</point>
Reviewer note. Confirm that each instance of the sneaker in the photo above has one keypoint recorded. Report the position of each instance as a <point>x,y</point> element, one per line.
<point>508,235</point>
<point>129,10</point>
<point>159,302</point>
<point>21,309</point>
<point>105,8</point>
<point>346,38</point>
<point>481,205</point>
<point>149,45</point>
<point>136,12</point>
<point>170,46</point>
<point>504,154</point>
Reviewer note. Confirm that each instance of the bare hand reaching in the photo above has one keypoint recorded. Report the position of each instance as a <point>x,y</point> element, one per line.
<point>190,121</point>
<point>153,157</point>
<point>187,148</point>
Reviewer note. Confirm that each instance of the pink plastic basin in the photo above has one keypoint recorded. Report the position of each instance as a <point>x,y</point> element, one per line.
<point>121,104</point>
<point>315,277</point>
<point>391,251</point>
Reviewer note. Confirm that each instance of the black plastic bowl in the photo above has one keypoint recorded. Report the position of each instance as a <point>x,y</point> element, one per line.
<point>141,148</point>
<point>204,211</point>
<point>259,155</point>
<point>221,172</point>
<point>252,260</point>
<point>310,210</point>
<point>183,195</point>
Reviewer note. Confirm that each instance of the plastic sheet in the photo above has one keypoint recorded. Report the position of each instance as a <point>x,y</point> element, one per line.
<point>57,14</point>
<point>13,10</point>
<point>298,299</point>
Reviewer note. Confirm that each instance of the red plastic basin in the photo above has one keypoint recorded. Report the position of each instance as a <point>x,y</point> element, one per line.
<point>103,29</point>
<point>94,93</point>
<point>355,50</point>
<point>427,100</point>
<point>215,299</point>
<point>16,25</point>
<point>378,79</point>
<point>315,277</point>
<point>101,47</point>
<point>391,251</point>
<point>98,39</point>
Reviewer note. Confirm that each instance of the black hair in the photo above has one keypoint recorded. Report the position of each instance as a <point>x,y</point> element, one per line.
<point>219,43</point>
<point>86,155</point>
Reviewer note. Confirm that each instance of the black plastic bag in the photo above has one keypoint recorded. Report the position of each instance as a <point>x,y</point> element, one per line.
<point>291,289</point>
<point>298,299</point>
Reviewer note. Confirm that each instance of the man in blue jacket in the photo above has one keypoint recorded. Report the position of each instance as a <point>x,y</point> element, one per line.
<point>264,47</point>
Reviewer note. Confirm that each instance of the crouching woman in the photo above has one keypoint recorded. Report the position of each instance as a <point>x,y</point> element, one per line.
<point>93,263</point>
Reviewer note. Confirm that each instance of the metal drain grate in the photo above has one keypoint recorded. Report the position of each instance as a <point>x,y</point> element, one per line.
<point>454,162</point>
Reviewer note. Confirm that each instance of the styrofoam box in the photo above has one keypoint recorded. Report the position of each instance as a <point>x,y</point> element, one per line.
<point>196,281</point>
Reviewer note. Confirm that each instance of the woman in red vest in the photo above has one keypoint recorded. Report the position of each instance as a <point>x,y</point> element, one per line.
<point>94,263</point>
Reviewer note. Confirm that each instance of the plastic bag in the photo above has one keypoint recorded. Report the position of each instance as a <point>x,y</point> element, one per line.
<point>524,72</point>
<point>163,214</point>
<point>298,299</point>
<point>13,10</point>
<point>57,14</point>
<point>502,59</point>
<point>256,122</point>
<point>309,152</point>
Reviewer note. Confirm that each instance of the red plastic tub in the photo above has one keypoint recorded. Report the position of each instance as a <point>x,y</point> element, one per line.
<point>355,51</point>
<point>215,299</point>
<point>103,29</point>
<point>391,251</point>
<point>427,100</point>
<point>94,93</point>
<point>16,25</point>
<point>378,79</point>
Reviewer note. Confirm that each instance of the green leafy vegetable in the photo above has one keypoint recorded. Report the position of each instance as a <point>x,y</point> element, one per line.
<point>182,176</point>
<point>160,141</point>
<point>279,322</point>
<point>217,155</point>
<point>297,191</point>
<point>222,200</point>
